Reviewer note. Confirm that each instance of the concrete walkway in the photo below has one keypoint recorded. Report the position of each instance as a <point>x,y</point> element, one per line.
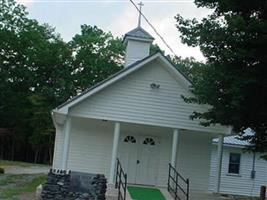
<point>26,170</point>
<point>112,194</point>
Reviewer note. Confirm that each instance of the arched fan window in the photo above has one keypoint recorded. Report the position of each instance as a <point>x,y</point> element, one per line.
<point>129,138</point>
<point>149,141</point>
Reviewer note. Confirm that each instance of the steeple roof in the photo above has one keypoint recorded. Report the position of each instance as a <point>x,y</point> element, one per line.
<point>138,33</point>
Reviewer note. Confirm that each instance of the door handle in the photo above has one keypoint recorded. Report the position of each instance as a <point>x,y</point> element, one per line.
<point>137,161</point>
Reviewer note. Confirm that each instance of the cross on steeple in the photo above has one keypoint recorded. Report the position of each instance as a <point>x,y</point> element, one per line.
<point>140,13</point>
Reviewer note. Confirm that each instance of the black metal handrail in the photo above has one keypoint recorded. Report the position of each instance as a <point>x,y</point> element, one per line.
<point>176,188</point>
<point>121,181</point>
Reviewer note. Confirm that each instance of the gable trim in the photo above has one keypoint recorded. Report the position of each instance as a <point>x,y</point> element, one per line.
<point>63,108</point>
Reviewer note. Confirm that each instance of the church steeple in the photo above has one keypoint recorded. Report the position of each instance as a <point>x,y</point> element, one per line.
<point>137,42</point>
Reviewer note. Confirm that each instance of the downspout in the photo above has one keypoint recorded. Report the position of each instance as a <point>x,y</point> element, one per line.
<point>253,172</point>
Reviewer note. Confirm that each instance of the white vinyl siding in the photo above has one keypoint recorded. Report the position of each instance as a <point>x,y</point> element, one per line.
<point>164,159</point>
<point>58,148</point>
<point>132,100</point>
<point>194,153</point>
<point>241,184</point>
<point>193,159</point>
<point>90,146</point>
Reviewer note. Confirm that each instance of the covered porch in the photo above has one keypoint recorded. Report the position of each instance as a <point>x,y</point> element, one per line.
<point>93,146</point>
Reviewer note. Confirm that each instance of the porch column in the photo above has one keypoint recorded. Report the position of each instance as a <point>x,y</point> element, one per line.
<point>66,144</point>
<point>174,146</point>
<point>114,152</point>
<point>219,163</point>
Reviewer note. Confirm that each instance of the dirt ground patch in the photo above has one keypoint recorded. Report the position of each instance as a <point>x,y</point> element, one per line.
<point>20,180</point>
<point>26,170</point>
<point>27,196</point>
<point>19,186</point>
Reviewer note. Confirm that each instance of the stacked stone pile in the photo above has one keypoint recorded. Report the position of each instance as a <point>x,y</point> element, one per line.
<point>56,186</point>
<point>99,184</point>
<point>74,186</point>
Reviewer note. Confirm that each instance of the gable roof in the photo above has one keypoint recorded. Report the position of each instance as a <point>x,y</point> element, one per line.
<point>63,108</point>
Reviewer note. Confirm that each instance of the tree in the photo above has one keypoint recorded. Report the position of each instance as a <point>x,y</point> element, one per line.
<point>189,66</point>
<point>35,76</point>
<point>234,81</point>
<point>12,21</point>
<point>39,71</point>
<point>51,85</point>
<point>96,55</point>
<point>15,76</point>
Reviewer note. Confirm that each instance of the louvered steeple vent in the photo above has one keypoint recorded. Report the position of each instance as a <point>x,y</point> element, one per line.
<point>137,42</point>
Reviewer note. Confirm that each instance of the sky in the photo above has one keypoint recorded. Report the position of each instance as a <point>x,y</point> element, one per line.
<point>118,17</point>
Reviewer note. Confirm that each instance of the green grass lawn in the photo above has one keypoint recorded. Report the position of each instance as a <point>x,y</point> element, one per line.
<point>12,185</point>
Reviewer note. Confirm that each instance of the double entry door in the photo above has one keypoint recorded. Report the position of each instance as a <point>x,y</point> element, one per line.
<point>139,158</point>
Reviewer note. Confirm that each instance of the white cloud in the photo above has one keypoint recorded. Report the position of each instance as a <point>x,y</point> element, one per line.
<point>125,22</point>
<point>119,17</point>
<point>25,2</point>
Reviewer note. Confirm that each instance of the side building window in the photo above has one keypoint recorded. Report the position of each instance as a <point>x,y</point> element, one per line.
<point>234,163</point>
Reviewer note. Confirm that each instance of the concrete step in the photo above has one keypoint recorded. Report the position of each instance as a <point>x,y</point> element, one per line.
<point>112,193</point>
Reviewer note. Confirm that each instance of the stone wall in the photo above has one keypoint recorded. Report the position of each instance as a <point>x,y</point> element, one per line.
<point>67,185</point>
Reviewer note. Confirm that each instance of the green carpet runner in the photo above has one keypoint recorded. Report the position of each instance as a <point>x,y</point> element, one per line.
<point>145,193</point>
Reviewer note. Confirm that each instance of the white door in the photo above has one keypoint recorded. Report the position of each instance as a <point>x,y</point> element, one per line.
<point>128,156</point>
<point>146,172</point>
<point>138,156</point>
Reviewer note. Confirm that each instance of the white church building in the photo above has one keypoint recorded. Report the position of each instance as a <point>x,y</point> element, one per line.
<point>138,116</point>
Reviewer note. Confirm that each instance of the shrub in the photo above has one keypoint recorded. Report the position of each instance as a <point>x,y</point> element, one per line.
<point>2,171</point>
